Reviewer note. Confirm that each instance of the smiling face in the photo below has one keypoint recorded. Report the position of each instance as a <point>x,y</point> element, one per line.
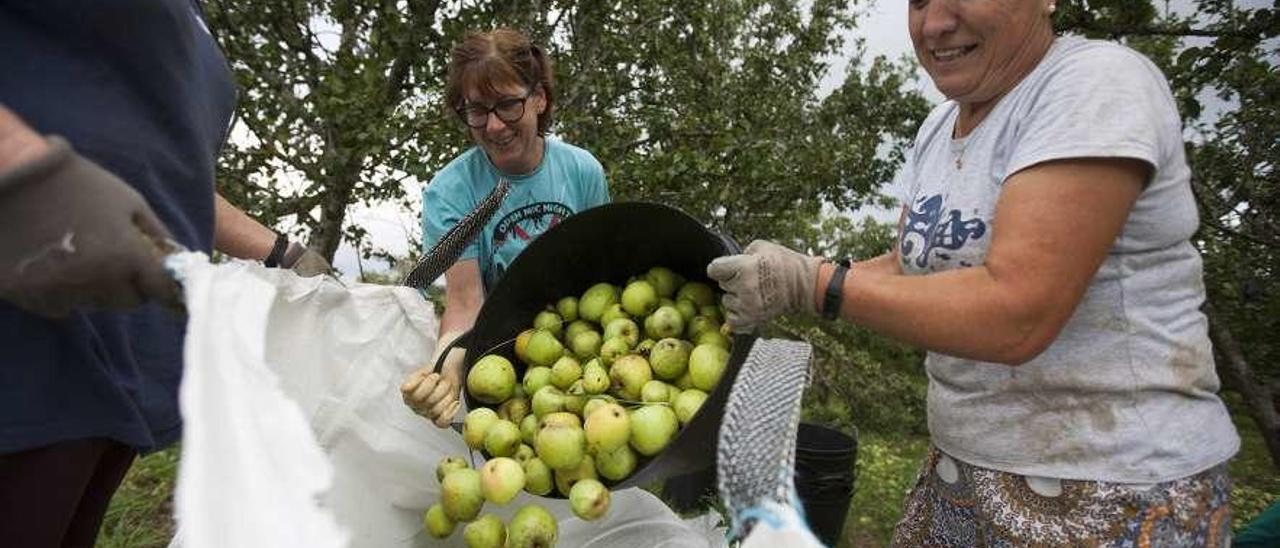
<point>513,147</point>
<point>977,50</point>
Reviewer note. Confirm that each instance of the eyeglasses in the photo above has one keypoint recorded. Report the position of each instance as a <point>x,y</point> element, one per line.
<point>508,110</point>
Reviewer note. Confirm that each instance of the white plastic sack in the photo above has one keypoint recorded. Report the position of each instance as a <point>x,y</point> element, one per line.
<point>294,422</point>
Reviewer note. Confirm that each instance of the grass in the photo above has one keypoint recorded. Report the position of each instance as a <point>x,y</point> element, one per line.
<point>140,514</point>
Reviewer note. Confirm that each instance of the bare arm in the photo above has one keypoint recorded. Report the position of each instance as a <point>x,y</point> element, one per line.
<point>1055,224</point>
<point>883,264</point>
<point>239,235</point>
<point>463,296</point>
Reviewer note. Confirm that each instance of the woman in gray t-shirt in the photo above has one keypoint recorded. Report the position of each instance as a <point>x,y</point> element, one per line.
<point>1044,261</point>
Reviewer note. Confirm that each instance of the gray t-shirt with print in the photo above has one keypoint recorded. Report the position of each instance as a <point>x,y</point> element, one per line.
<point>1127,392</point>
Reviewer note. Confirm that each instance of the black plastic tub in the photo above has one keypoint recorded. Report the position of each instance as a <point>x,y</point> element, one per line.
<point>611,243</point>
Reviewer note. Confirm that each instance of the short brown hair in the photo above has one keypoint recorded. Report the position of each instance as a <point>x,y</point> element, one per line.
<point>484,60</point>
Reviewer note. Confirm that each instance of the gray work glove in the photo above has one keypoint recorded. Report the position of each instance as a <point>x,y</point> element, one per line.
<point>77,236</point>
<point>304,261</point>
<point>764,282</point>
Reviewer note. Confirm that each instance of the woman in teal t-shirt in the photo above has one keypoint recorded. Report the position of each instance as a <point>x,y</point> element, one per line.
<point>500,86</point>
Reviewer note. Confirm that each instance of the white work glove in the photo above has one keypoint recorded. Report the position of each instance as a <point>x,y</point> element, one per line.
<point>436,395</point>
<point>764,282</point>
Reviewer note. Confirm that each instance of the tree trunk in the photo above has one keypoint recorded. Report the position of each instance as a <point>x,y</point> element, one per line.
<point>1258,396</point>
<point>327,234</point>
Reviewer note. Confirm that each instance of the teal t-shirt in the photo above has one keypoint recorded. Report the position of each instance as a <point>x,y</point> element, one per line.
<point>569,180</point>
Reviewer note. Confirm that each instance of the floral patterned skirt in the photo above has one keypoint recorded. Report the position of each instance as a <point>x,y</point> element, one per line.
<point>957,504</point>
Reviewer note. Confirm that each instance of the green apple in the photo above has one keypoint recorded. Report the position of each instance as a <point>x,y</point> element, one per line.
<point>712,312</point>
<point>568,308</point>
<point>550,322</point>
<point>639,298</point>
<point>687,309</point>
<point>706,365</point>
<point>607,427</point>
<point>612,349</point>
<point>485,532</point>
<point>701,294</point>
<point>687,404</point>
<point>547,400</point>
<point>628,375</point>
<point>589,499</point>
<point>586,345</point>
<point>614,312</point>
<point>560,446</point>
<point>670,358</point>
<point>565,371</point>
<point>476,425</point>
<point>663,280</point>
<point>436,522</point>
<point>502,439</point>
<point>525,451</point>
<point>665,322</point>
<point>529,429</point>
<point>544,348</point>
<point>652,428</point>
<point>448,464</point>
<point>656,391</point>
<point>699,325</point>
<point>535,378</point>
<point>575,327</point>
<point>645,347</point>
<point>537,477</point>
<point>565,478</point>
<point>522,345</point>
<point>685,382</point>
<point>575,398</point>
<point>616,465</point>
<point>492,379</point>
<point>595,378</point>
<point>501,479</point>
<point>563,418</point>
<point>625,329</point>
<point>461,495</point>
<point>595,300</point>
<point>713,337</point>
<point>532,527</point>
<point>514,409</point>
<point>594,402</point>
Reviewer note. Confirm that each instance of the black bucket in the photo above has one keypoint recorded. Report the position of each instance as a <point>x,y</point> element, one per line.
<point>611,243</point>
<point>824,481</point>
<point>824,478</point>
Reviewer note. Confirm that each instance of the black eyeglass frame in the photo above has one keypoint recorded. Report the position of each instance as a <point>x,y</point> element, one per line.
<point>464,112</point>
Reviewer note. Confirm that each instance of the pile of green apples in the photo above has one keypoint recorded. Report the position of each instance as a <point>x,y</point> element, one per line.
<point>610,378</point>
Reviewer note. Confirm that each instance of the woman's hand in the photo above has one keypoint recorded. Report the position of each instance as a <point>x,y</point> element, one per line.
<point>767,280</point>
<point>436,395</point>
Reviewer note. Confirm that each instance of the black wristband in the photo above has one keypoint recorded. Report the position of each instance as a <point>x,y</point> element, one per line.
<point>277,251</point>
<point>834,295</point>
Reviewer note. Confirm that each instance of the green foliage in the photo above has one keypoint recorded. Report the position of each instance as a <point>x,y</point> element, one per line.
<point>887,469</point>
<point>710,105</point>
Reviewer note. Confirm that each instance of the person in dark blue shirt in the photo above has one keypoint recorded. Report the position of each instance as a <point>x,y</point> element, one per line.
<point>112,115</point>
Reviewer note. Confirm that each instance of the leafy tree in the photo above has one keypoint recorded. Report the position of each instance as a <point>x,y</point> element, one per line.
<point>709,105</point>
